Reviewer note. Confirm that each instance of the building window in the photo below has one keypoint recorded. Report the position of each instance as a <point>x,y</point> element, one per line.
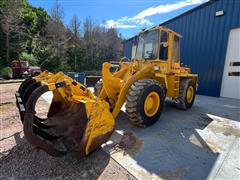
<point>176,49</point>
<point>163,53</point>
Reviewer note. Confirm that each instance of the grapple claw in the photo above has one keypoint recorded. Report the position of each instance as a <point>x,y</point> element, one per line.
<point>37,130</point>
<point>24,85</point>
<point>77,121</point>
<point>40,124</point>
<point>29,90</point>
<point>40,119</point>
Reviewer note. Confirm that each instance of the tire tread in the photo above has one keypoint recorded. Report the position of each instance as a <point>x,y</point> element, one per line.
<point>132,98</point>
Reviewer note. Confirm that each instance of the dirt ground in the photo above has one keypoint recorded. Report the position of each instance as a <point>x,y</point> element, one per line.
<point>19,160</point>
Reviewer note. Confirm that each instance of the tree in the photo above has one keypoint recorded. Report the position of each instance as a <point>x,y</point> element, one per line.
<point>57,35</point>
<point>31,34</point>
<point>35,19</point>
<point>58,30</point>
<point>75,29</point>
<point>57,13</point>
<point>114,44</point>
<point>88,28</point>
<point>12,27</point>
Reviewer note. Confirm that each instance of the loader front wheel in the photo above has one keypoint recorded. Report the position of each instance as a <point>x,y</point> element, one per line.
<point>145,102</point>
<point>186,94</point>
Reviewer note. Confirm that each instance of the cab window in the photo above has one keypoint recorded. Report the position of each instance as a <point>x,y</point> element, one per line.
<point>147,45</point>
<point>163,53</point>
<point>176,49</point>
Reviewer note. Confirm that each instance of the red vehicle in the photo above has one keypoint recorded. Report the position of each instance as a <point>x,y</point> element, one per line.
<point>21,69</point>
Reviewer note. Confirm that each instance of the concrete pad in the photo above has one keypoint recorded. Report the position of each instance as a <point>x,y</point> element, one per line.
<point>201,143</point>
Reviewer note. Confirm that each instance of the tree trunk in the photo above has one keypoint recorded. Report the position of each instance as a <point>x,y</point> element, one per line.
<point>75,62</point>
<point>75,52</point>
<point>7,49</point>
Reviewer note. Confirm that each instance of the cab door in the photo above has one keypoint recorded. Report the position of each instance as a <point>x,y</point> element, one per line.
<point>175,54</point>
<point>163,51</point>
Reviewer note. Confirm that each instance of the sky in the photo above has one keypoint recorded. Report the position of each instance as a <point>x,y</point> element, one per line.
<point>128,16</point>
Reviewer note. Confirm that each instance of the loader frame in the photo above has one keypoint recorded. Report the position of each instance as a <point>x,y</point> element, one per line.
<point>167,72</point>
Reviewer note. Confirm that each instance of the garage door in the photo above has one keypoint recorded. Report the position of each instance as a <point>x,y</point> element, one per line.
<point>231,77</point>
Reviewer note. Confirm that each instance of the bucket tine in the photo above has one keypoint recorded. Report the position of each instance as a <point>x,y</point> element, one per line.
<point>24,85</point>
<point>29,90</point>
<point>40,119</point>
<point>44,134</point>
<point>31,131</point>
<point>40,124</point>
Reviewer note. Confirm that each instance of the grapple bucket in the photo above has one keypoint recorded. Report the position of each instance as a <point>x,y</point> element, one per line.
<point>77,121</point>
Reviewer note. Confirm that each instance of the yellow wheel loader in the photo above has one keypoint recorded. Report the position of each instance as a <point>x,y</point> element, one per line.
<point>79,121</point>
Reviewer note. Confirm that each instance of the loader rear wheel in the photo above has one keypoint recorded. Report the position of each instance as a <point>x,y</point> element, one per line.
<point>145,102</point>
<point>186,94</point>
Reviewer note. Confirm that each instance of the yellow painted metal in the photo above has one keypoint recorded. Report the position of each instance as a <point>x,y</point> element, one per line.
<point>151,104</point>
<point>190,94</point>
<point>167,73</point>
<point>100,122</point>
<point>43,76</point>
<point>141,74</point>
<point>173,86</point>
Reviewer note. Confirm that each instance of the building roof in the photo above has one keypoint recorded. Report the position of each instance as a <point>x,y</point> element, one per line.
<point>189,11</point>
<point>181,15</point>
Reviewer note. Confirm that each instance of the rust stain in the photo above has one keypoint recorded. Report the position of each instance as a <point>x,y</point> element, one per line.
<point>195,141</point>
<point>208,144</point>
<point>129,144</point>
<point>214,146</point>
<point>226,129</point>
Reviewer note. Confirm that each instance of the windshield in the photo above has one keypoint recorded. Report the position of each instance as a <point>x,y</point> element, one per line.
<point>147,45</point>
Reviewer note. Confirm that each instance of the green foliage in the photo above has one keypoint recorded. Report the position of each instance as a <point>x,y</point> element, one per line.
<point>29,57</point>
<point>48,60</point>
<point>49,44</point>
<point>6,72</point>
<point>34,19</point>
<point>2,64</point>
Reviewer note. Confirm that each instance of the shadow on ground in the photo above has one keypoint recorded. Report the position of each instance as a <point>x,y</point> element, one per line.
<point>174,147</point>
<point>22,162</point>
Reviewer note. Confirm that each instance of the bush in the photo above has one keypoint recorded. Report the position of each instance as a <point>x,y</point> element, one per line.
<point>6,72</point>
<point>29,57</point>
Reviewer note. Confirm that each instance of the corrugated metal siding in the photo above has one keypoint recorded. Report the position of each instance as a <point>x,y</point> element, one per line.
<point>127,48</point>
<point>204,41</point>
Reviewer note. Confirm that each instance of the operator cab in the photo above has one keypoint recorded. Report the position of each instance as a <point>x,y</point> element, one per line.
<point>158,44</point>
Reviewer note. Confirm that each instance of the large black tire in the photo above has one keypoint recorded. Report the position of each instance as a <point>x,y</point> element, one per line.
<point>182,101</point>
<point>135,99</point>
<point>98,87</point>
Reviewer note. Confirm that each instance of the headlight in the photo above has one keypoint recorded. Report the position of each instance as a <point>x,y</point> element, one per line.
<point>156,68</point>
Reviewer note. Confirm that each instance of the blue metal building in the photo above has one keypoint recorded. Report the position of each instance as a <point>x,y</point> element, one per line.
<point>205,30</point>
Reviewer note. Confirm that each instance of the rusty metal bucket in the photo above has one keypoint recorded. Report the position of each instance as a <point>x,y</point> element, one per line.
<point>78,124</point>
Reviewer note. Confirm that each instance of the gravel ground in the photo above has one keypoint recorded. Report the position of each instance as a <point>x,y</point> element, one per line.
<point>19,160</point>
